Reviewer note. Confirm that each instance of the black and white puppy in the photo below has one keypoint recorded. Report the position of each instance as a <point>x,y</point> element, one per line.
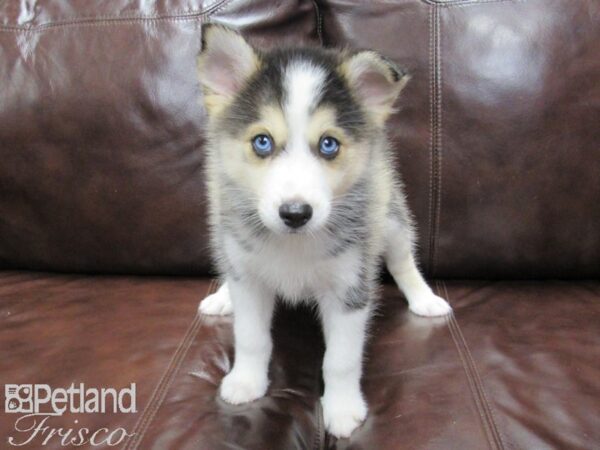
<point>304,204</point>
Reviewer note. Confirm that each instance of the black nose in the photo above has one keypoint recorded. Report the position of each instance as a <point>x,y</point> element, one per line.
<point>295,214</point>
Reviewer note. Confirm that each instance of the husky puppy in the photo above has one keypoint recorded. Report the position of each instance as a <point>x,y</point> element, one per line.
<point>304,203</point>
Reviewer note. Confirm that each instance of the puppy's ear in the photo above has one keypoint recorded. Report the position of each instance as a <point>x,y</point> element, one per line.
<point>376,82</point>
<point>224,65</point>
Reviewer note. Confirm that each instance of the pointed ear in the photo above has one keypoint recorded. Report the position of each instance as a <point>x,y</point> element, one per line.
<point>224,64</point>
<point>376,82</point>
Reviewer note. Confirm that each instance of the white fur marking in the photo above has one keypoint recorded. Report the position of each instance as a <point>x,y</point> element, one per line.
<point>401,264</point>
<point>297,174</point>
<point>253,309</point>
<point>217,304</point>
<point>344,407</point>
<point>303,84</point>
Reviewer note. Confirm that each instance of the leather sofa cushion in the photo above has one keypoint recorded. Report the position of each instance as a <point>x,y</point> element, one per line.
<point>101,143</point>
<point>516,367</point>
<point>496,135</point>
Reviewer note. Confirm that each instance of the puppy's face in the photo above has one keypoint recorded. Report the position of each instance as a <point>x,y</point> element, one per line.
<point>293,128</point>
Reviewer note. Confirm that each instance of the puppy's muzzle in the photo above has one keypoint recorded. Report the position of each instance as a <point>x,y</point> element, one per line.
<point>295,214</point>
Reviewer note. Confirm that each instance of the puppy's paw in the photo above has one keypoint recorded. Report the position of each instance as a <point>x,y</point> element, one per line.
<point>217,304</point>
<point>429,305</point>
<point>242,387</point>
<point>343,414</point>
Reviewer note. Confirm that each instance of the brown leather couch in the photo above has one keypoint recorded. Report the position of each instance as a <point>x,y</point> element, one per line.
<point>103,240</point>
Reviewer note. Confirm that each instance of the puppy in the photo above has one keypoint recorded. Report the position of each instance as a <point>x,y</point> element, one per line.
<point>304,203</point>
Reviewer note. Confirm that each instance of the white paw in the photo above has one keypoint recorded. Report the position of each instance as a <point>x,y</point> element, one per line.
<point>217,304</point>
<point>242,387</point>
<point>429,305</point>
<point>343,414</point>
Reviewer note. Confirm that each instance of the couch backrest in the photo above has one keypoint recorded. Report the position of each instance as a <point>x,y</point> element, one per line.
<point>101,129</point>
<point>497,134</point>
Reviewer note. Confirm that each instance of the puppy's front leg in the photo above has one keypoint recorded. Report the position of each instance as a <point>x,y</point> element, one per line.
<point>252,313</point>
<point>344,407</point>
<point>401,263</point>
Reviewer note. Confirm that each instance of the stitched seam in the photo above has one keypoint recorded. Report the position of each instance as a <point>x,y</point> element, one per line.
<point>90,19</point>
<point>459,3</point>
<point>439,136</point>
<point>163,388</point>
<point>108,20</point>
<point>160,391</point>
<point>484,408</point>
<point>475,384</point>
<point>431,133</point>
<point>487,403</point>
<point>167,379</point>
<point>466,5</point>
<point>321,437</point>
<point>319,441</point>
<point>218,8</point>
<point>319,18</point>
<point>184,348</point>
<point>100,24</point>
<point>434,56</point>
<point>476,398</point>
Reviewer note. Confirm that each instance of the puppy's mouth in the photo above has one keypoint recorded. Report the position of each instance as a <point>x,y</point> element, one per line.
<point>284,230</point>
<point>295,231</point>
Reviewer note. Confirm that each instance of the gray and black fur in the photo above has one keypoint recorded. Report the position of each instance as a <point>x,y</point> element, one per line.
<point>303,130</point>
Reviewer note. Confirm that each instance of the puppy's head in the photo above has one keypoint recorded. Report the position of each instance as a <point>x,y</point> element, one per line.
<point>294,128</point>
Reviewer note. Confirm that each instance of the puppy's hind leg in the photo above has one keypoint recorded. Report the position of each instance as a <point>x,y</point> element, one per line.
<point>401,263</point>
<point>218,303</point>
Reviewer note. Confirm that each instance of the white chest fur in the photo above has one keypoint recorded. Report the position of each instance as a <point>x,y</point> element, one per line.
<point>295,266</point>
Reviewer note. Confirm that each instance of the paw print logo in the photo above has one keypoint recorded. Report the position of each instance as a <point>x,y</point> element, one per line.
<point>18,398</point>
<point>13,405</point>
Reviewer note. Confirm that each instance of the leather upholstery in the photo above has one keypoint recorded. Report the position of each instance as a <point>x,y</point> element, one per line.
<point>496,138</point>
<point>496,135</point>
<point>516,367</point>
<point>101,130</point>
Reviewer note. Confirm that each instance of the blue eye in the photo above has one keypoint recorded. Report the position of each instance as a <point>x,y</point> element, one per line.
<point>262,145</point>
<point>329,147</point>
